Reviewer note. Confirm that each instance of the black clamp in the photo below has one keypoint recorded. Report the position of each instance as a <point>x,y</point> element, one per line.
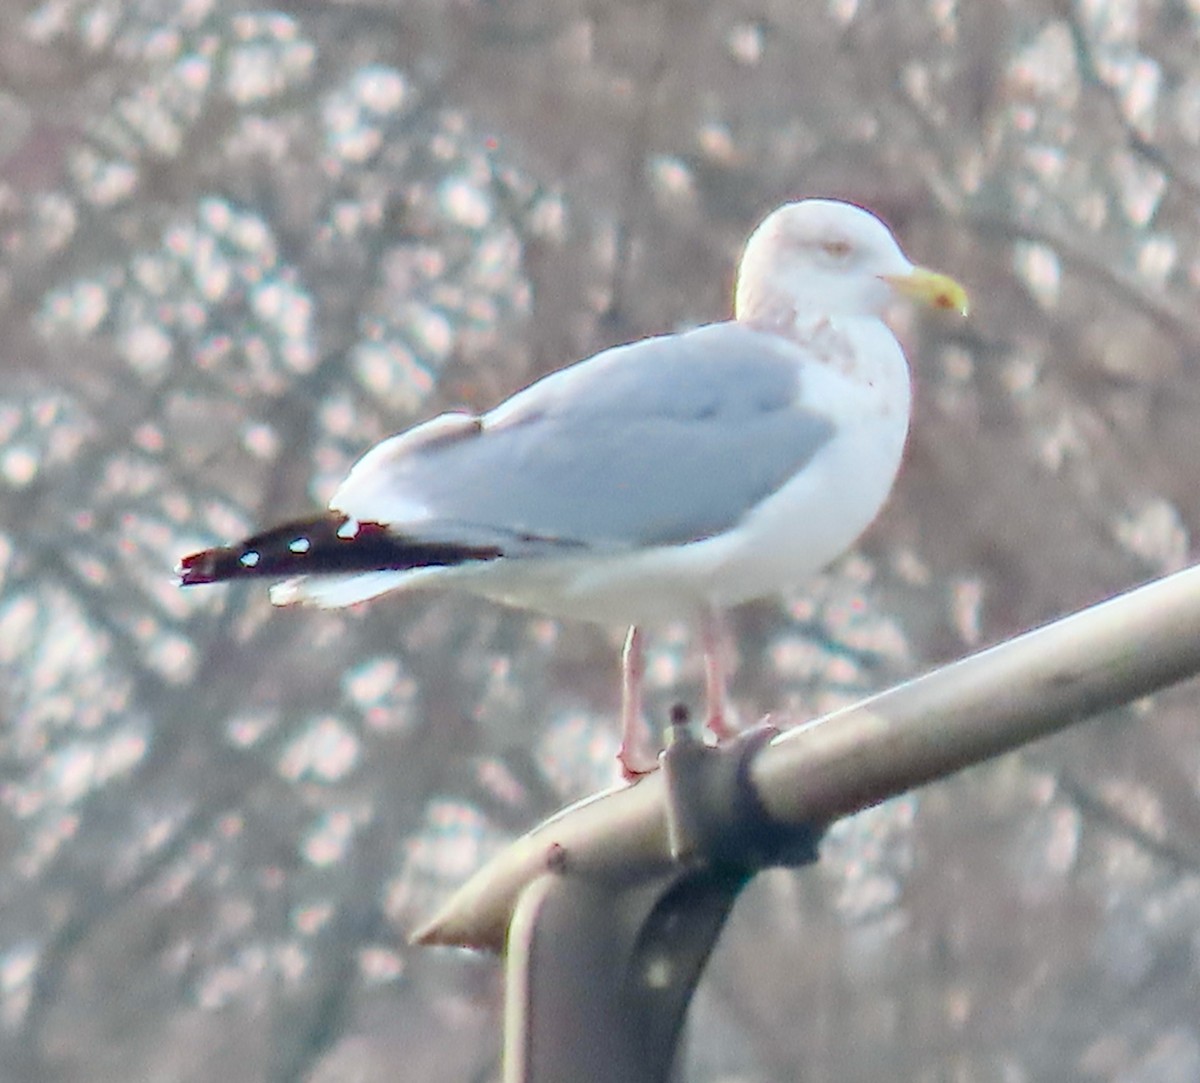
<point>601,971</point>
<point>715,817</point>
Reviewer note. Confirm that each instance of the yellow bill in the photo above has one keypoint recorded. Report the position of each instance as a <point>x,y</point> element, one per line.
<point>930,288</point>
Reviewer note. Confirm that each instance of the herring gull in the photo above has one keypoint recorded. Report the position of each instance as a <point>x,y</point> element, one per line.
<point>669,478</point>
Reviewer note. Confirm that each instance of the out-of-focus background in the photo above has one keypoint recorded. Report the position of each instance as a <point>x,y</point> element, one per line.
<point>240,243</point>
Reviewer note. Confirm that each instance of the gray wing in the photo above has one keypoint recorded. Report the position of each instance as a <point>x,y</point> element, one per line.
<point>661,442</point>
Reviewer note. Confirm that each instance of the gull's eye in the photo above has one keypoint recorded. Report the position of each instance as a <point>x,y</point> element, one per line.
<point>836,249</point>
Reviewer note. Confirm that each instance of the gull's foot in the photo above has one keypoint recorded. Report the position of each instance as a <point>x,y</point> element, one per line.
<point>636,763</point>
<point>721,726</point>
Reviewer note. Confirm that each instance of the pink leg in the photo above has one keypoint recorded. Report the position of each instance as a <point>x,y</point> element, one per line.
<point>715,664</point>
<point>635,755</point>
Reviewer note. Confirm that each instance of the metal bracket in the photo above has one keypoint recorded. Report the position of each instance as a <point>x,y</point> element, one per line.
<point>600,973</point>
<point>714,815</point>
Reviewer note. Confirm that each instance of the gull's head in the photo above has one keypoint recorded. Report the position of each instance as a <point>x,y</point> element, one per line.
<point>827,258</point>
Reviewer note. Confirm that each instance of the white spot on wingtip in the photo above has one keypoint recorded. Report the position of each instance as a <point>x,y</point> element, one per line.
<point>349,529</point>
<point>299,545</point>
<point>250,558</point>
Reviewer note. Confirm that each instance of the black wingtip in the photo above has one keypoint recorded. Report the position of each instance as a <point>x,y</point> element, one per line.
<point>328,544</point>
<point>204,567</point>
<point>302,546</point>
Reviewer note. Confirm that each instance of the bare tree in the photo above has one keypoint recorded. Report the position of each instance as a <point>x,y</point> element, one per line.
<point>242,243</point>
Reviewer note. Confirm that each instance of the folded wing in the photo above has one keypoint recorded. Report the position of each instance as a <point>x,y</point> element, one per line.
<point>663,442</point>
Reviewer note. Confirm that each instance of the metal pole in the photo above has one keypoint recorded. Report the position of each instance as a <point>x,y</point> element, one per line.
<point>996,700</point>
<point>587,999</point>
<point>599,972</point>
